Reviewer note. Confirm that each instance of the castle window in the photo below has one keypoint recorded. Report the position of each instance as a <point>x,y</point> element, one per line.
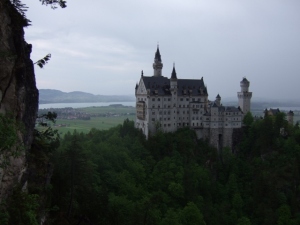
<point>179,106</point>
<point>183,112</point>
<point>153,119</point>
<point>169,99</point>
<point>158,106</point>
<point>187,99</point>
<point>169,125</point>
<point>153,113</point>
<point>158,99</point>
<point>193,99</point>
<point>181,99</point>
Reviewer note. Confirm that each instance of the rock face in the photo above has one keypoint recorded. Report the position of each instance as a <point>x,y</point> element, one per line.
<point>18,92</point>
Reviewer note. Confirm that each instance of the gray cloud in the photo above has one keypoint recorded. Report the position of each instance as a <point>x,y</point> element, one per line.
<point>101,46</point>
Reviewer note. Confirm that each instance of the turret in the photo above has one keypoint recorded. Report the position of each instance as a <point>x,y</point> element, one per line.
<point>173,80</point>
<point>244,85</point>
<point>218,100</point>
<point>245,96</point>
<point>290,117</point>
<point>157,65</point>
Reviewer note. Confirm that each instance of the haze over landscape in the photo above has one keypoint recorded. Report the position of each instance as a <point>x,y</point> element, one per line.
<point>102,47</point>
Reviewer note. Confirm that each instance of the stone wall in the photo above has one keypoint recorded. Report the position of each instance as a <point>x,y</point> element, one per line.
<point>18,92</point>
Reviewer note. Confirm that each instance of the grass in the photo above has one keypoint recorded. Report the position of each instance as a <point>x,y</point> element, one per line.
<point>107,109</point>
<point>101,123</point>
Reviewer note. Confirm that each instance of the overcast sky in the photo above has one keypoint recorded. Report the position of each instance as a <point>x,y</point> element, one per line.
<point>101,47</point>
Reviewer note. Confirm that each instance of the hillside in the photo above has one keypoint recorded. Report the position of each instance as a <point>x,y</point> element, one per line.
<point>56,96</point>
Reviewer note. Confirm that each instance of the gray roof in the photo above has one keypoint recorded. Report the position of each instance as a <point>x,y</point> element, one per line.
<point>161,85</point>
<point>173,75</point>
<point>157,55</point>
<point>230,109</point>
<point>245,80</point>
<point>184,87</point>
<point>272,111</point>
<point>157,83</point>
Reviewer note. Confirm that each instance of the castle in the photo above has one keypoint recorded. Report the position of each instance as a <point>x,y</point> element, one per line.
<point>171,103</point>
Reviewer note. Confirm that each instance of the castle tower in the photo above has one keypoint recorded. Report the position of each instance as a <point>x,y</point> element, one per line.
<point>157,65</point>
<point>173,89</point>
<point>218,100</point>
<point>245,96</point>
<point>290,117</point>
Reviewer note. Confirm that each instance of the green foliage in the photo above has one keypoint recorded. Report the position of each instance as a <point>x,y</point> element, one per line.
<point>10,144</point>
<point>119,177</point>
<point>42,62</point>
<point>248,119</point>
<point>20,208</point>
<point>54,3</point>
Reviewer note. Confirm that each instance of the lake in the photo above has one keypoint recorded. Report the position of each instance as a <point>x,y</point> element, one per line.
<point>82,105</point>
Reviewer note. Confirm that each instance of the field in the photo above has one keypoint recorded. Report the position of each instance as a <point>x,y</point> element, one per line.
<point>101,123</point>
<point>110,117</point>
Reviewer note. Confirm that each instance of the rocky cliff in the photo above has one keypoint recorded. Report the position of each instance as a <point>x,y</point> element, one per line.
<point>18,92</point>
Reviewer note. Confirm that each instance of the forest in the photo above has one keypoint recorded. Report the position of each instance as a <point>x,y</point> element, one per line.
<point>118,177</point>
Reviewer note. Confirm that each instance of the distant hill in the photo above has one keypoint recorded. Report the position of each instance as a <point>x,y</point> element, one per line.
<point>56,96</point>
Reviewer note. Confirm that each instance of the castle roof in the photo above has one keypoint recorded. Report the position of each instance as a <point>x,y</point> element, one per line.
<point>160,85</point>
<point>272,112</point>
<point>157,55</point>
<point>245,81</point>
<point>173,75</point>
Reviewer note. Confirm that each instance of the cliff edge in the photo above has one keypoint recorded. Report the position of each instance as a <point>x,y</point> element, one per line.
<point>18,92</point>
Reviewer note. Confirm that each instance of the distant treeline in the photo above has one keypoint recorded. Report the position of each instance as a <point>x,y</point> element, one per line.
<point>56,96</point>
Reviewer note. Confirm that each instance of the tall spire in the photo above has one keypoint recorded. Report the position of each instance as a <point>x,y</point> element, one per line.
<point>173,75</point>
<point>157,55</point>
<point>157,65</point>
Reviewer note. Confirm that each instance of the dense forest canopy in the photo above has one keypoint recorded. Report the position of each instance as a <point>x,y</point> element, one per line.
<point>119,177</point>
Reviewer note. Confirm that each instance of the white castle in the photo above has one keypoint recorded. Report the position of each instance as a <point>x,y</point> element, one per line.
<point>167,104</point>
